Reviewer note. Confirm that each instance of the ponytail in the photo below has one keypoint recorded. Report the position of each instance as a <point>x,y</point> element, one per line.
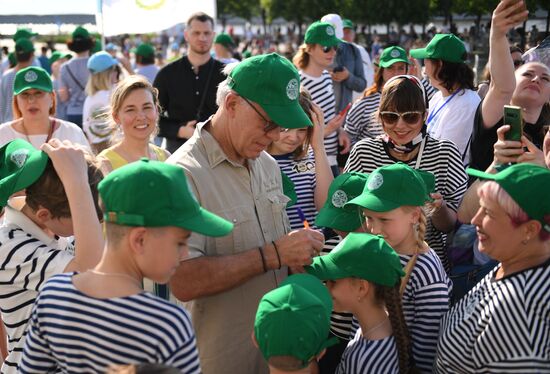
<point>301,58</point>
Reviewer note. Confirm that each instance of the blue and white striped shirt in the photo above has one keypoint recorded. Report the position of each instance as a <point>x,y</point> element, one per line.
<point>302,173</point>
<point>369,356</point>
<point>71,332</point>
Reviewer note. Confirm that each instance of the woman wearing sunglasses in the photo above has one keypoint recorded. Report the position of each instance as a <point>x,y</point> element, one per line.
<point>312,60</point>
<point>403,111</point>
<point>362,120</point>
<point>34,110</point>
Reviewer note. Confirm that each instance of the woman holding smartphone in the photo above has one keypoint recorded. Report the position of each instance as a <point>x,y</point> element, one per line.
<point>530,90</point>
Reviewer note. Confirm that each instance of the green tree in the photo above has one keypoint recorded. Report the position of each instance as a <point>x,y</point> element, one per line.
<point>239,8</point>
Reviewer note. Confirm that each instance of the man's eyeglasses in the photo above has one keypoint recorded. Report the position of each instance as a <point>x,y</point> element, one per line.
<point>328,49</point>
<point>518,63</point>
<point>269,125</point>
<point>411,118</point>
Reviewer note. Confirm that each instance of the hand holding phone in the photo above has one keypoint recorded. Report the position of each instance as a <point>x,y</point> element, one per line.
<point>513,118</point>
<point>338,69</point>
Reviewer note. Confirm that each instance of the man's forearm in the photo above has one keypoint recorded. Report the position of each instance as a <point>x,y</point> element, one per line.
<point>209,275</point>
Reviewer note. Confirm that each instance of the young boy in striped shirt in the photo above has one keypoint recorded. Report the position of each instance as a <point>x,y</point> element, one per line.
<point>85,322</point>
<point>60,194</point>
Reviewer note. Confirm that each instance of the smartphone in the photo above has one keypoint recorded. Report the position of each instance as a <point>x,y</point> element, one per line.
<point>520,10</point>
<point>345,110</point>
<point>338,69</point>
<point>512,117</point>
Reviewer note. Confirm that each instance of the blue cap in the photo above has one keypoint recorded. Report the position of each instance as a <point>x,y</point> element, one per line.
<point>101,61</point>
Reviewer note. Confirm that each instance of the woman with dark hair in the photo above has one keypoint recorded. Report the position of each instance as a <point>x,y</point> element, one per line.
<point>453,108</point>
<point>361,121</point>
<point>403,111</point>
<point>74,75</point>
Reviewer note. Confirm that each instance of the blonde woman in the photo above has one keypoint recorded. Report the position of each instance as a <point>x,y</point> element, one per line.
<point>104,74</point>
<point>134,113</point>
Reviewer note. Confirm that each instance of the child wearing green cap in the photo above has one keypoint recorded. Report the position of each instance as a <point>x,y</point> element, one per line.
<point>363,275</point>
<point>292,324</point>
<point>300,154</point>
<point>60,201</point>
<point>394,203</point>
<point>501,325</point>
<point>313,60</point>
<point>338,222</point>
<point>116,321</point>
<point>223,48</point>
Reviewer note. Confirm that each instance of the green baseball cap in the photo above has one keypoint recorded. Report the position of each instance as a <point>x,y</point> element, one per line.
<point>392,186</point>
<point>32,77</point>
<point>59,55</point>
<point>391,55</point>
<point>145,50</point>
<point>80,32</point>
<point>343,188</point>
<point>20,166</point>
<point>322,33</point>
<point>24,33</point>
<point>272,82</point>
<point>23,45</point>
<point>446,47</point>
<point>360,255</point>
<point>313,285</point>
<point>291,321</point>
<point>528,185</point>
<point>289,190</point>
<point>347,23</point>
<point>224,39</point>
<point>154,194</point>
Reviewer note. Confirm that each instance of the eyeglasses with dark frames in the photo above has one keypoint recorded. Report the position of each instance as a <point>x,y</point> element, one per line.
<point>411,118</point>
<point>268,125</point>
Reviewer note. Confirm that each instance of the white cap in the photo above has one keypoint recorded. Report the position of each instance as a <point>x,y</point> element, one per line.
<point>336,21</point>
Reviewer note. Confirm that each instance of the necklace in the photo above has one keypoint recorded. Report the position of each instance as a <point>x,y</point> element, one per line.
<point>120,275</point>
<point>375,327</point>
<point>48,135</point>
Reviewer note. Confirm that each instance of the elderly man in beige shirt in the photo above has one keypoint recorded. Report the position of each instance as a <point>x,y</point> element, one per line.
<point>234,177</point>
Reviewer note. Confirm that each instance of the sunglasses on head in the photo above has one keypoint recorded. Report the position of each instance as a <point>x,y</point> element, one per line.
<point>411,118</point>
<point>328,49</point>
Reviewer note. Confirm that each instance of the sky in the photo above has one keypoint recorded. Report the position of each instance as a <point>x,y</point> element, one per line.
<point>41,7</point>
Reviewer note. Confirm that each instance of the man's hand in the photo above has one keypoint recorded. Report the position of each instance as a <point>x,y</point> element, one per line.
<point>297,248</point>
<point>186,131</point>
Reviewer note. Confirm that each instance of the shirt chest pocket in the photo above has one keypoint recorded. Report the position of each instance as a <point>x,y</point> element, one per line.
<point>244,232</point>
<point>272,212</point>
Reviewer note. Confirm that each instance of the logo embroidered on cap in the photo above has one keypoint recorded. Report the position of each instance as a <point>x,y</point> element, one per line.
<point>30,76</point>
<point>395,53</point>
<point>330,30</point>
<point>292,89</point>
<point>339,198</point>
<point>19,157</point>
<point>375,181</point>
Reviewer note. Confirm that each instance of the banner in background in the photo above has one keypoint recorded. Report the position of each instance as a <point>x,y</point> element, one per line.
<point>142,16</point>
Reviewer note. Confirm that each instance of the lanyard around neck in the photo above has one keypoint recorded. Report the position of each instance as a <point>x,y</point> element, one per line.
<point>436,112</point>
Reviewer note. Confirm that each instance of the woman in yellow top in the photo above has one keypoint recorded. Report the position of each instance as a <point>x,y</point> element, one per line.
<point>134,113</point>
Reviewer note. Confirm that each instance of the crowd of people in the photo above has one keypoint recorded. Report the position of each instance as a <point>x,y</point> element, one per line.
<point>255,213</point>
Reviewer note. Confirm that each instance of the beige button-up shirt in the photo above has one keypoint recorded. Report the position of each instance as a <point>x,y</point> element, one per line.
<point>251,198</point>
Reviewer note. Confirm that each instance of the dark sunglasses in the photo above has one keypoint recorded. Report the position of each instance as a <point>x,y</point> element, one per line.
<point>411,118</point>
<point>518,63</point>
<point>328,49</point>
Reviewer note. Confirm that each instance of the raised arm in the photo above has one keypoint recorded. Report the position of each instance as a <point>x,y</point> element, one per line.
<point>501,66</point>
<point>323,174</point>
<point>70,164</point>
